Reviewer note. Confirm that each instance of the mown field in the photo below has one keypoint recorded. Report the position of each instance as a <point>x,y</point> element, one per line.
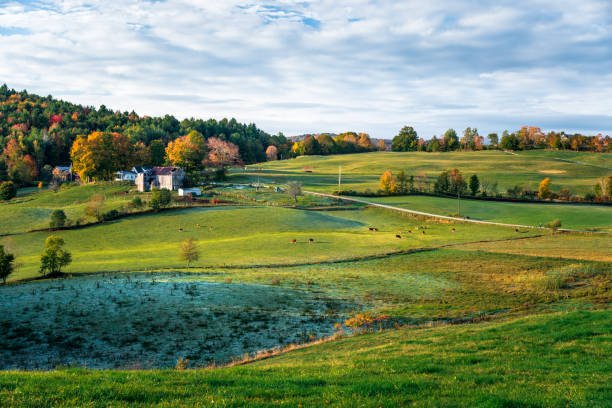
<point>573,170</point>
<point>553,360</point>
<point>577,216</point>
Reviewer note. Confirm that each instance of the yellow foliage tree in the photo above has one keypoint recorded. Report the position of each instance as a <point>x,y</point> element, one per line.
<point>99,155</point>
<point>187,151</point>
<point>387,183</point>
<point>544,190</point>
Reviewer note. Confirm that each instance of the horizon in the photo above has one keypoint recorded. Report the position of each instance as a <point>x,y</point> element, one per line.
<point>315,67</point>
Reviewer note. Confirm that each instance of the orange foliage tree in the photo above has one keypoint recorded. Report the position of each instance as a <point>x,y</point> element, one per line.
<point>187,151</point>
<point>99,155</point>
<point>222,153</point>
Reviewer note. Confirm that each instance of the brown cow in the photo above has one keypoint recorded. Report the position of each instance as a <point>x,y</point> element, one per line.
<point>310,240</point>
<point>452,230</point>
<point>293,241</point>
<point>398,236</point>
<point>410,231</point>
<point>180,230</point>
<point>423,232</point>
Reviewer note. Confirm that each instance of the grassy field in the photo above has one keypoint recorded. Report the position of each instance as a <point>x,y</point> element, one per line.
<point>576,216</point>
<point>243,236</point>
<point>554,360</point>
<point>362,171</point>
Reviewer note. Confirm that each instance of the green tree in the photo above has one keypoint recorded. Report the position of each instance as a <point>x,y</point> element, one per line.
<point>7,190</point>
<point>544,189</point>
<point>405,141</point>
<point>294,189</point>
<point>137,203</point>
<point>442,184</point>
<point>189,251</point>
<point>474,184</point>
<point>451,141</point>
<point>58,219</point>
<point>493,139</point>
<point>157,153</point>
<point>457,183</point>
<point>160,198</point>
<point>6,264</point>
<point>402,182</point>
<point>54,258</point>
<point>509,142</point>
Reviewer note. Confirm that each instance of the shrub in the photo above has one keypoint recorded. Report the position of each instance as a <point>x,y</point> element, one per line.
<point>7,190</point>
<point>553,224</point>
<point>137,202</point>
<point>110,215</point>
<point>160,198</point>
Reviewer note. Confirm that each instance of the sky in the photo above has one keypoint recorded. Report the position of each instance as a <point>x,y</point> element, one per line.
<point>322,66</point>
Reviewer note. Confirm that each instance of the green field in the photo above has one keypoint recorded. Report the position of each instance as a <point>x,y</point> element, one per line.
<point>524,315</point>
<point>554,360</point>
<point>577,216</point>
<point>362,171</point>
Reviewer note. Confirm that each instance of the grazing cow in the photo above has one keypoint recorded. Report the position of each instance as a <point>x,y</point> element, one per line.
<point>310,240</point>
<point>375,229</point>
<point>452,230</point>
<point>398,236</point>
<point>197,225</point>
<point>516,230</point>
<point>410,231</point>
<point>371,228</point>
<point>423,232</point>
<point>180,230</point>
<point>293,241</point>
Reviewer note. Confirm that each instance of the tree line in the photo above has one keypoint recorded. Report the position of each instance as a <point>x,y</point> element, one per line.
<point>526,138</point>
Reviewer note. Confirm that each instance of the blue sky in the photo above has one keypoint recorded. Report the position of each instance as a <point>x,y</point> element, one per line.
<point>329,65</point>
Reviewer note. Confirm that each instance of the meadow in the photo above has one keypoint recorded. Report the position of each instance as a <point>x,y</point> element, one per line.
<point>573,170</point>
<point>449,313</point>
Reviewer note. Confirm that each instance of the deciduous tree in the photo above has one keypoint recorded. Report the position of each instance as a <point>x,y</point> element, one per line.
<point>387,183</point>
<point>544,189</point>
<point>54,258</point>
<point>406,140</point>
<point>7,264</point>
<point>474,184</point>
<point>58,219</point>
<point>189,251</point>
<point>187,151</point>
<point>294,189</point>
<point>271,153</point>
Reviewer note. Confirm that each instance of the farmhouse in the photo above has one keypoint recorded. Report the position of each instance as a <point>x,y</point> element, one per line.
<point>170,178</point>
<point>62,173</point>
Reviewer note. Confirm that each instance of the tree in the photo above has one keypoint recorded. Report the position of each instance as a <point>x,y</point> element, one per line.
<point>294,189</point>
<point>272,153</point>
<point>157,153</point>
<point>442,184</point>
<point>7,190</point>
<point>457,183</point>
<point>509,142</point>
<point>58,219</point>
<point>381,145</point>
<point>54,258</point>
<point>189,251</point>
<point>187,151</point>
<point>100,155</point>
<point>544,190</point>
<point>451,141</point>
<point>387,183</point>
<point>474,184</point>
<point>94,206</point>
<point>6,264</point>
<point>405,141</point>
<point>137,203</point>
<point>160,198</point>
<point>403,182</point>
<point>605,184</point>
<point>493,139</point>
<point>222,153</point>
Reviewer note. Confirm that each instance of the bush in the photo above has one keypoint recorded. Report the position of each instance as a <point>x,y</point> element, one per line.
<point>110,215</point>
<point>553,224</point>
<point>7,190</point>
<point>160,198</point>
<point>58,219</point>
<point>137,202</point>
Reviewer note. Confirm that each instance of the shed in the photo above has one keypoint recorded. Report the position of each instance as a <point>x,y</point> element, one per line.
<point>195,191</point>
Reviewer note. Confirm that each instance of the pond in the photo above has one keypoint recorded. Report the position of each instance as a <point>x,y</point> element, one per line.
<point>152,320</point>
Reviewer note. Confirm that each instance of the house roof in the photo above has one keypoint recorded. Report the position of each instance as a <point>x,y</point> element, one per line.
<point>125,172</point>
<point>164,171</point>
<point>140,169</point>
<point>62,168</point>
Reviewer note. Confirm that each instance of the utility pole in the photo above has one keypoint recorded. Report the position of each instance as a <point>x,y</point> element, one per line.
<point>339,179</point>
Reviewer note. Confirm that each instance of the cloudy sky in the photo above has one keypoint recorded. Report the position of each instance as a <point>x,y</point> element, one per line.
<point>328,65</point>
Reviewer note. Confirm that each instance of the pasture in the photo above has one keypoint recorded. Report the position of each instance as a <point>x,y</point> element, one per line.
<point>576,171</point>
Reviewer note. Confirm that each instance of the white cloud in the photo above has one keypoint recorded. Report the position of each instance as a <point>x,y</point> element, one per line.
<point>321,65</point>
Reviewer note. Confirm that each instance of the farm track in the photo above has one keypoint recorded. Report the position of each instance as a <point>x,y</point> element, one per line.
<point>445,217</point>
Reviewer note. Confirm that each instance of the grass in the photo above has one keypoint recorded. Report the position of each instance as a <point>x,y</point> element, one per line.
<point>578,216</point>
<point>242,236</point>
<point>554,360</point>
<point>362,171</point>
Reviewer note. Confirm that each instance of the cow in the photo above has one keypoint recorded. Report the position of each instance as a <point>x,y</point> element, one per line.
<point>410,231</point>
<point>180,230</point>
<point>373,229</point>
<point>452,230</point>
<point>516,230</point>
<point>310,240</point>
<point>423,232</point>
<point>293,241</point>
<point>398,236</point>
<point>197,225</point>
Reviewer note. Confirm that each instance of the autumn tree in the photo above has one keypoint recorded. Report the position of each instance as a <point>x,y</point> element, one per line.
<point>222,153</point>
<point>271,153</point>
<point>294,189</point>
<point>605,187</point>
<point>381,145</point>
<point>6,264</point>
<point>450,140</point>
<point>544,189</point>
<point>189,251</point>
<point>387,183</point>
<point>188,152</point>
<point>54,257</point>
<point>100,155</point>
<point>93,208</point>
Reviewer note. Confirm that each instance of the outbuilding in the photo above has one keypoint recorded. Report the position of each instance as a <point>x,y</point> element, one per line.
<point>195,191</point>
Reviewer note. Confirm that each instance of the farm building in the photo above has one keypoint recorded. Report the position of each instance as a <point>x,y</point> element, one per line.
<point>62,173</point>
<point>125,176</point>
<point>170,178</point>
<point>196,192</point>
